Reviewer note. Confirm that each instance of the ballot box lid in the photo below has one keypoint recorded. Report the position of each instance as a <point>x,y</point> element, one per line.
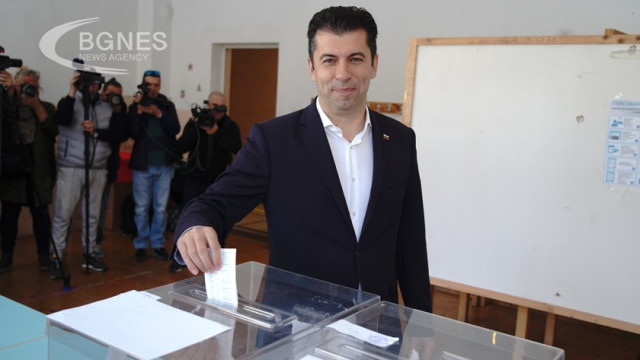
<point>389,331</point>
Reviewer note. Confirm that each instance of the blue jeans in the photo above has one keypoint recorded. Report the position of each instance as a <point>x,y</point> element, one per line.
<point>151,185</point>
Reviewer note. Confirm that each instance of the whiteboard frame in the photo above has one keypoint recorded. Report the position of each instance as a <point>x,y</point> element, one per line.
<point>408,111</point>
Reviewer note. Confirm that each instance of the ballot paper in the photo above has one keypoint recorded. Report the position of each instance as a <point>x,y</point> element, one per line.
<point>221,285</point>
<point>364,334</point>
<point>137,324</point>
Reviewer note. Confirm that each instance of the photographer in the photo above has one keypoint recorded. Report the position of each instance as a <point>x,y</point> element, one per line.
<point>111,94</point>
<point>211,138</point>
<point>8,106</point>
<point>153,125</point>
<point>102,127</point>
<point>217,138</point>
<point>32,138</point>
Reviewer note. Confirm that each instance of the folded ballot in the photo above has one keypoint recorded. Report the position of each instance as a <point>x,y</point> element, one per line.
<point>221,285</point>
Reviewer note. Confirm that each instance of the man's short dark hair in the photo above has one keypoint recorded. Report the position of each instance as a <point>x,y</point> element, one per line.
<point>341,20</point>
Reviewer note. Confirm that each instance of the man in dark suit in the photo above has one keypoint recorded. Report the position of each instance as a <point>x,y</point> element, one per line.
<point>339,182</point>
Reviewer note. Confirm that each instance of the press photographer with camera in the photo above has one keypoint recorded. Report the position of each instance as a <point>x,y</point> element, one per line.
<point>84,145</point>
<point>153,125</point>
<point>212,138</point>
<point>8,105</point>
<point>112,94</point>
<point>32,139</point>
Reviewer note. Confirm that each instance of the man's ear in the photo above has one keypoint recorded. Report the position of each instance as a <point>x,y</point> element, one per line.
<point>311,69</point>
<point>375,67</point>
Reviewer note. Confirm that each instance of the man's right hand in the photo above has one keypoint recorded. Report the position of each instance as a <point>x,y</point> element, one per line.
<point>194,245</point>
<point>6,80</point>
<point>72,84</point>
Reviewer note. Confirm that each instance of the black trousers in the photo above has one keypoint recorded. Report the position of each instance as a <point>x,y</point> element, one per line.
<point>9,227</point>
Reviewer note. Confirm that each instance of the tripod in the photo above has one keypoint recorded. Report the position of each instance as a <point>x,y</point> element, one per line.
<point>86,103</point>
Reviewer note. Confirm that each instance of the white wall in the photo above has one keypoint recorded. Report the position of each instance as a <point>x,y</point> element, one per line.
<point>23,22</point>
<point>193,27</point>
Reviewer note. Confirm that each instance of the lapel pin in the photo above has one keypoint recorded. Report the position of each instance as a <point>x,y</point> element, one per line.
<point>385,137</point>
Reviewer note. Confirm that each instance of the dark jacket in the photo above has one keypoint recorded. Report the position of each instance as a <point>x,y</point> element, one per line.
<point>287,164</point>
<point>209,155</point>
<point>138,125</point>
<point>113,162</point>
<point>41,157</point>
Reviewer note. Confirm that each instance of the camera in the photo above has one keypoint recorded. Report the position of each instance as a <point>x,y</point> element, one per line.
<point>220,108</point>
<point>88,78</point>
<point>7,62</point>
<point>29,90</point>
<point>203,115</point>
<point>114,99</point>
<point>146,99</point>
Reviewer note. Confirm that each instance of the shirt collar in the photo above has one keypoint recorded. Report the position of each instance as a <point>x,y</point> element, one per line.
<point>328,124</point>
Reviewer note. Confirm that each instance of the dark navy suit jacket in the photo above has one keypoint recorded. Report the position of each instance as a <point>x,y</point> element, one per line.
<point>287,165</point>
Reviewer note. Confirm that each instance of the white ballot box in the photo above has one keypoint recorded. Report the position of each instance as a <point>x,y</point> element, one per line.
<point>179,321</point>
<point>389,331</point>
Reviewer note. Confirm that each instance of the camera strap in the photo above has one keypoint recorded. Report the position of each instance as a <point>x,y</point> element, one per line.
<point>183,168</point>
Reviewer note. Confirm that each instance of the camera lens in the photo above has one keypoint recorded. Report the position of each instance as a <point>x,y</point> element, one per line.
<point>220,108</point>
<point>114,99</point>
<point>29,90</point>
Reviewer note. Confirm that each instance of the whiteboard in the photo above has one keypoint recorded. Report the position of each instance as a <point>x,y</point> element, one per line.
<point>511,145</point>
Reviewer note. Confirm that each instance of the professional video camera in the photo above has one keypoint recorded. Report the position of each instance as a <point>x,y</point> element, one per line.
<point>203,115</point>
<point>88,78</point>
<point>7,62</point>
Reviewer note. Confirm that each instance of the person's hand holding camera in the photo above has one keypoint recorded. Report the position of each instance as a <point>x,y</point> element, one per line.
<point>72,84</point>
<point>6,80</point>
<point>137,98</point>
<point>210,130</point>
<point>88,127</point>
<point>30,100</point>
<point>151,110</point>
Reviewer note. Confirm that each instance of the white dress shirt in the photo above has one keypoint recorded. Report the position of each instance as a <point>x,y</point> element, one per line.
<point>354,162</point>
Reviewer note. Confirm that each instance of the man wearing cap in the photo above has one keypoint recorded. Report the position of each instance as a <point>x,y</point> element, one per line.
<point>153,125</point>
<point>86,125</point>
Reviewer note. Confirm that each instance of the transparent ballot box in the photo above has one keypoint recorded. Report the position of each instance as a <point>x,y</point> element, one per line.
<point>274,307</point>
<point>389,331</point>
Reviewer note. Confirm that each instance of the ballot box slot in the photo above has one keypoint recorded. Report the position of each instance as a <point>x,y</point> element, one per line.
<point>344,347</point>
<point>247,311</point>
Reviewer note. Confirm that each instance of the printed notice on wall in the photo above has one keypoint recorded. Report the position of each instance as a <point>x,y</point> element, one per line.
<point>623,143</point>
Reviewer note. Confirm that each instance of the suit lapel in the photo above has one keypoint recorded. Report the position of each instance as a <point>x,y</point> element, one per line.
<point>313,135</point>
<point>379,139</point>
